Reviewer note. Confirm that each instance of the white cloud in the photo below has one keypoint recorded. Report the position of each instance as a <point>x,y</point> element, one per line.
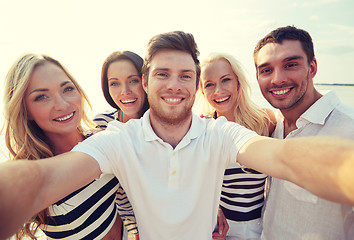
<point>318,3</point>
<point>314,17</point>
<point>346,29</point>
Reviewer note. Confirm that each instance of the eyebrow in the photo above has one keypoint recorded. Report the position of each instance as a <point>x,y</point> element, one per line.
<point>130,76</point>
<point>287,59</point>
<point>291,58</point>
<point>225,76</point>
<point>168,69</point>
<point>46,89</point>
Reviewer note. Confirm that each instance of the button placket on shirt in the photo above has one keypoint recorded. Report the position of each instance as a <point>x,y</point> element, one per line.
<point>174,171</point>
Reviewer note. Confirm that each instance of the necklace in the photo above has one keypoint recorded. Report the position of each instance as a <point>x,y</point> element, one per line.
<point>121,116</point>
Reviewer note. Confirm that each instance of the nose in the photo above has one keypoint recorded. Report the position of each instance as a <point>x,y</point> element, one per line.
<point>174,83</point>
<point>218,88</point>
<point>126,89</point>
<point>60,102</point>
<point>279,77</point>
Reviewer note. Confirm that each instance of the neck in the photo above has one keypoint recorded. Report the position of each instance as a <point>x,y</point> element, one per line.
<point>229,116</point>
<point>64,143</point>
<point>291,115</point>
<point>171,133</point>
<point>122,117</point>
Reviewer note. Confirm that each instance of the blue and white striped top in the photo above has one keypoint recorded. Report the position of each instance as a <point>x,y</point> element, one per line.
<point>242,194</point>
<point>87,213</point>
<point>125,208</point>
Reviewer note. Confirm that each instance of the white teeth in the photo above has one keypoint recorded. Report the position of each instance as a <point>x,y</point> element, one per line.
<point>222,99</point>
<point>281,91</point>
<point>173,100</point>
<point>129,101</point>
<point>65,118</point>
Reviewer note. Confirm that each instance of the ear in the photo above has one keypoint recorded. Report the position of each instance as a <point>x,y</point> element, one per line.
<point>201,90</point>
<point>257,74</point>
<point>313,68</point>
<point>145,83</point>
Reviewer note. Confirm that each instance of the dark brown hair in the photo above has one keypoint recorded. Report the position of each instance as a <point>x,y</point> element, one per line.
<point>288,33</point>
<point>117,56</point>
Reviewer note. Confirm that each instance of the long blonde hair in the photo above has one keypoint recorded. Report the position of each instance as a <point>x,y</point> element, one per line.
<point>23,138</point>
<point>246,112</point>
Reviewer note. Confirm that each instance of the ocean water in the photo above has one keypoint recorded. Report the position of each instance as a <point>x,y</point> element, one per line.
<point>345,93</point>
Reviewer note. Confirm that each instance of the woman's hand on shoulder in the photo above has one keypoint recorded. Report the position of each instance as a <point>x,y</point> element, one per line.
<point>273,120</point>
<point>205,115</point>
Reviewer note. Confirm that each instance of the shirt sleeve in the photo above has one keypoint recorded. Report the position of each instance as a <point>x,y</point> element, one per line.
<point>234,137</point>
<point>100,147</point>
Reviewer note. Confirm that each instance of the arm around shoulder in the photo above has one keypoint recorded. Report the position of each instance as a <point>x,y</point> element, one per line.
<point>322,165</point>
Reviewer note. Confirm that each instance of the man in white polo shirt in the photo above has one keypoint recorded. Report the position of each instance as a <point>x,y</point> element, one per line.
<point>171,162</point>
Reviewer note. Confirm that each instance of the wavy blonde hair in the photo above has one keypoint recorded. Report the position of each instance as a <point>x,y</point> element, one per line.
<point>246,112</point>
<point>23,138</point>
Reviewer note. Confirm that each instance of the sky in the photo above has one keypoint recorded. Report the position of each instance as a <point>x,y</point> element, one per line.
<point>82,33</point>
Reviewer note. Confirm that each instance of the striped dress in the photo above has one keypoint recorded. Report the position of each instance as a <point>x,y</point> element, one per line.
<point>125,208</point>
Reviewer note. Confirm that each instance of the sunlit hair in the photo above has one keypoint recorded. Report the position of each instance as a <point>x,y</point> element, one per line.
<point>24,139</point>
<point>287,33</point>
<point>176,40</point>
<point>246,112</point>
<point>135,59</point>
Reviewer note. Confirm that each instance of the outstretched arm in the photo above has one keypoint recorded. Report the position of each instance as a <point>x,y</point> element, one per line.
<point>322,165</point>
<point>27,187</point>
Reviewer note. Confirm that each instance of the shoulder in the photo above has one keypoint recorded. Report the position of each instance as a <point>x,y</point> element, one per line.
<point>102,119</point>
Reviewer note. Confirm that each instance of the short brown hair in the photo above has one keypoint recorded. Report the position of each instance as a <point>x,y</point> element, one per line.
<point>176,40</point>
<point>287,33</point>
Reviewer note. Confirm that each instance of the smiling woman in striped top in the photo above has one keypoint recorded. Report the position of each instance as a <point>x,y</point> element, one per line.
<point>45,116</point>
<point>122,88</point>
<point>225,87</point>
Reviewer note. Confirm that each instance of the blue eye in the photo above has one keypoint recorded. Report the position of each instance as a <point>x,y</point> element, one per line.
<point>136,80</point>
<point>69,89</point>
<point>112,84</point>
<point>208,85</point>
<point>162,74</point>
<point>40,97</point>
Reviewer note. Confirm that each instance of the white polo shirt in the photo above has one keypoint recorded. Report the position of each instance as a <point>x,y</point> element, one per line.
<point>175,193</point>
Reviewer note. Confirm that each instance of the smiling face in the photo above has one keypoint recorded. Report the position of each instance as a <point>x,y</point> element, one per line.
<point>125,88</point>
<point>171,86</point>
<point>53,101</point>
<point>220,86</point>
<point>284,75</point>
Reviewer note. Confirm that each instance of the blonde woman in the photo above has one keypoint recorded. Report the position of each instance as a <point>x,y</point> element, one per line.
<point>225,87</point>
<point>45,116</point>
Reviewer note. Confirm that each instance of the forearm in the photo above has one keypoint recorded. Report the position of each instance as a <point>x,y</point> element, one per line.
<point>27,187</point>
<point>324,166</point>
<point>321,165</point>
<point>19,187</point>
